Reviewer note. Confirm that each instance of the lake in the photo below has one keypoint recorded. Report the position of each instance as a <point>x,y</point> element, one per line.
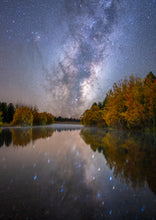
<point>72,172</point>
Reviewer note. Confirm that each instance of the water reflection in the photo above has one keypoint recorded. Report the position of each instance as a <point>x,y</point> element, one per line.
<point>60,177</point>
<point>5,137</point>
<point>23,136</point>
<point>132,157</point>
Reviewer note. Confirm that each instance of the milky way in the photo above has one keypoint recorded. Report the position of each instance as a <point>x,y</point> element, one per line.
<point>89,25</point>
<point>64,55</point>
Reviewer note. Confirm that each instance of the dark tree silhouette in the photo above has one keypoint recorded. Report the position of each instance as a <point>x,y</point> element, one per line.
<point>4,110</point>
<point>10,112</point>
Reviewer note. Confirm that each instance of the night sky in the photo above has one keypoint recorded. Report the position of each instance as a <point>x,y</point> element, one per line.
<point>63,55</point>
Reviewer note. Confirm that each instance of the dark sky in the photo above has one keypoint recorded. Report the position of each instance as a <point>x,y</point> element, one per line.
<point>62,55</point>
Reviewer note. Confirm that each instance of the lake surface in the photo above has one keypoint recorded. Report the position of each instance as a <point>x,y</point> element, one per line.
<point>71,172</point>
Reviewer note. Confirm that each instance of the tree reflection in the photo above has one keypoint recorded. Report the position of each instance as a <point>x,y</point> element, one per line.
<point>22,137</point>
<point>42,132</point>
<point>131,156</point>
<point>5,137</point>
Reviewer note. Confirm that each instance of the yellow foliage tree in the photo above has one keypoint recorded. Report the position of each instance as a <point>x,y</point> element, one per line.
<point>41,118</point>
<point>93,116</point>
<point>115,105</point>
<point>130,104</point>
<point>134,102</point>
<point>50,118</point>
<point>23,116</point>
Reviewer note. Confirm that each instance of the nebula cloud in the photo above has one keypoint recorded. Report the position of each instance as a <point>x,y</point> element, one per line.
<point>73,77</point>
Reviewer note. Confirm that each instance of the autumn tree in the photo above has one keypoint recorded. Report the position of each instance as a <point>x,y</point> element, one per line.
<point>36,118</point>
<point>150,99</point>
<point>115,105</point>
<point>131,104</point>
<point>43,118</point>
<point>23,116</point>
<point>134,115</point>
<point>93,116</point>
<point>39,118</point>
<point>50,118</point>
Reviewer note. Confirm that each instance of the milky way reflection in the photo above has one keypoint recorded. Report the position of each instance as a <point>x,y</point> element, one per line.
<point>57,174</point>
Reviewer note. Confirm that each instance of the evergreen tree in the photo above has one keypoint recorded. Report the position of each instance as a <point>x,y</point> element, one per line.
<point>4,110</point>
<point>0,118</point>
<point>10,113</point>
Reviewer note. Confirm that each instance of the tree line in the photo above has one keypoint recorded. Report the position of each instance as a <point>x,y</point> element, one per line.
<point>64,119</point>
<point>131,104</point>
<point>23,115</point>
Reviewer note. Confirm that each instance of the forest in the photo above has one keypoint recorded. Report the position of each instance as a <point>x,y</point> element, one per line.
<point>22,115</point>
<point>130,104</point>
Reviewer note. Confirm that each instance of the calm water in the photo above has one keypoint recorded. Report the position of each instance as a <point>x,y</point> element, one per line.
<point>66,172</point>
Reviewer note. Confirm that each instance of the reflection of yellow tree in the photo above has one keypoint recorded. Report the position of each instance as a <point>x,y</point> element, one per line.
<point>93,137</point>
<point>21,137</point>
<point>132,157</point>
<point>126,156</point>
<point>42,132</point>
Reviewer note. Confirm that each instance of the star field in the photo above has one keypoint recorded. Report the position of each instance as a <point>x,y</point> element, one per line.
<point>64,55</point>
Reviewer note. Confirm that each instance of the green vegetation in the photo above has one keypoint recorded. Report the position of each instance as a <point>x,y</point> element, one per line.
<point>131,104</point>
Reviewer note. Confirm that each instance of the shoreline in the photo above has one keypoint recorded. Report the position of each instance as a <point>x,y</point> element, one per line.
<point>51,125</point>
<point>78,125</point>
